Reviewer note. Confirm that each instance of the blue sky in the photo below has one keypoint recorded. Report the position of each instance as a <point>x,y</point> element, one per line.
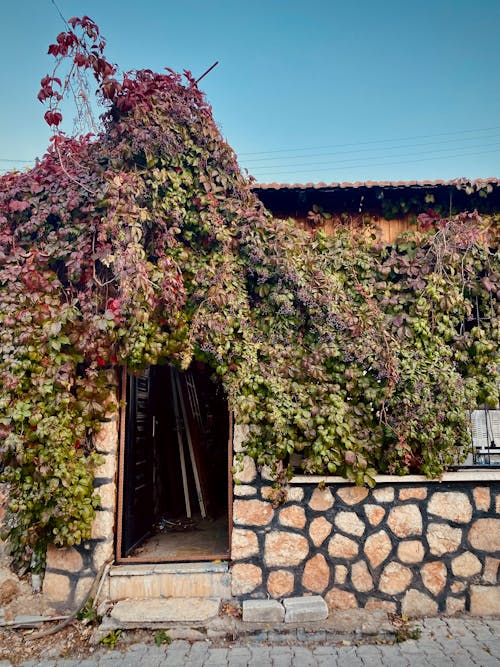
<point>305,91</point>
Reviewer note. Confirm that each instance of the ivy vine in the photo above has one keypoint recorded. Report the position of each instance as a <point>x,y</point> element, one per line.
<point>145,244</point>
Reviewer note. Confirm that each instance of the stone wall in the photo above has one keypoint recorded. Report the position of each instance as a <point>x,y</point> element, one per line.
<point>71,572</point>
<point>413,548</point>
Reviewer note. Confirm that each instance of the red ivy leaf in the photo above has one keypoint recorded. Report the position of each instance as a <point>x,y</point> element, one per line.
<point>53,117</point>
<point>54,50</point>
<point>81,60</point>
<point>16,205</point>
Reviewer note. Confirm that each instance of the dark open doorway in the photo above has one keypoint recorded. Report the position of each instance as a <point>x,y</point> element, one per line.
<point>174,467</point>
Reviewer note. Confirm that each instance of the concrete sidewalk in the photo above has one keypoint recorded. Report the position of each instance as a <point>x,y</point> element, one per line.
<point>455,642</point>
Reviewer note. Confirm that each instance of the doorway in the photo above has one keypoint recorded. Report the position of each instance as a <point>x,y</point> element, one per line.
<point>174,491</point>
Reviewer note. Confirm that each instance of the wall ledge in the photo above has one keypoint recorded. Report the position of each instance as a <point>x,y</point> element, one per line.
<point>465,475</point>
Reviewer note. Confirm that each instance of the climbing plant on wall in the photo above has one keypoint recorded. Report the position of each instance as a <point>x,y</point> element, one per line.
<point>145,244</point>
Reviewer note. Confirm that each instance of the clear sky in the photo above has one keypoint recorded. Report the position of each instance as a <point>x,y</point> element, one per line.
<point>306,90</point>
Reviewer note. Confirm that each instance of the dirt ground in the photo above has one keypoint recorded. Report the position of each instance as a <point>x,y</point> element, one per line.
<point>74,641</point>
<point>19,645</point>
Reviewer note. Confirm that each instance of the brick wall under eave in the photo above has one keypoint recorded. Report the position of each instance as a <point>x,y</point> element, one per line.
<point>412,548</point>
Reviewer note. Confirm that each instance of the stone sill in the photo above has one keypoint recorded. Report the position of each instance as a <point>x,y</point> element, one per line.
<point>141,570</point>
<point>465,475</point>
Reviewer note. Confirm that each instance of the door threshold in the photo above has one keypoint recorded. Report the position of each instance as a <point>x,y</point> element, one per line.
<point>143,569</point>
<point>167,559</point>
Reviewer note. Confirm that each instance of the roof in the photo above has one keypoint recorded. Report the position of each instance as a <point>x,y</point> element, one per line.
<point>460,183</point>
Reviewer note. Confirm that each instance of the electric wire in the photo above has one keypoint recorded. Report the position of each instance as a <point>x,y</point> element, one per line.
<point>365,150</point>
<point>384,164</point>
<point>375,141</point>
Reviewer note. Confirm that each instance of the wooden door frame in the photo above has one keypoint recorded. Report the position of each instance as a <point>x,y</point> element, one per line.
<point>121,492</point>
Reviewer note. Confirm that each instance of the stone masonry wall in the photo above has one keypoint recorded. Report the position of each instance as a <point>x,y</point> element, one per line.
<point>414,548</point>
<point>71,572</point>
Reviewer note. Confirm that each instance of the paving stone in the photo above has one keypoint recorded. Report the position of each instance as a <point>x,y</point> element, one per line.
<point>216,656</point>
<point>262,611</point>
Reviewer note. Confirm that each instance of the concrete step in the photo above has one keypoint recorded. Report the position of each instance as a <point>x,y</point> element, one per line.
<point>164,611</point>
<point>169,580</point>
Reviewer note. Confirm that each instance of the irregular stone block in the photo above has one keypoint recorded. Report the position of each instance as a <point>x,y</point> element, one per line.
<point>350,523</point>
<point>384,494</point>
<point>434,576</point>
<point>68,559</point>
<point>56,587</point>
<point>280,583</point>
<point>285,549</point>
<point>106,440</point>
<point>378,547</point>
<point>102,552</point>
<point>246,472</point>
<point>485,535</point>
<point>316,575</point>
<point>263,611</point>
<point>374,514</point>
<point>466,565</point>
<point>252,512</point>
<point>295,494</point>
<point>244,544</point>
<point>342,547</point>
<point>490,573</point>
<point>416,492</point>
<point>361,577</point>
<point>293,516</point>
<point>451,505</point>
<point>352,495</point>
<point>245,578</point>
<point>267,492</point>
<point>319,530</point>
<point>340,574</point>
<point>485,600</point>
<point>241,490</point>
<point>416,603</point>
<point>455,605</point>
<point>395,578</point>
<point>107,494</point>
<point>267,474</point>
<point>443,539</point>
<point>304,609</point>
<point>321,500</point>
<point>376,603</point>
<point>458,586</point>
<point>405,520</point>
<point>482,498</point>
<point>339,599</point>
<point>83,586</point>
<point>240,435</point>
<point>103,524</point>
<point>108,468</point>
<point>411,551</point>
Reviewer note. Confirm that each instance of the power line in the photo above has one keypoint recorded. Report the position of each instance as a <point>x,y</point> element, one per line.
<point>388,164</point>
<point>375,157</point>
<point>364,150</point>
<point>7,159</point>
<point>60,13</point>
<point>373,141</point>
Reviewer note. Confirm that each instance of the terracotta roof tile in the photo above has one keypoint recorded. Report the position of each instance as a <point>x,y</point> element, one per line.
<point>375,184</point>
